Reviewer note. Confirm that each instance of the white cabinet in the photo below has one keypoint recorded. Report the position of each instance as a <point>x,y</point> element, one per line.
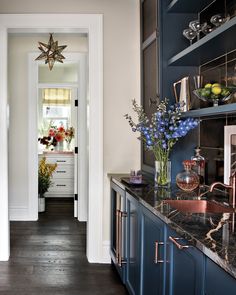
<point>63,176</point>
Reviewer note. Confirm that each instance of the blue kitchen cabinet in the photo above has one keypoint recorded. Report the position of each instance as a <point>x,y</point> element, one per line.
<point>184,267</point>
<point>152,253</point>
<point>133,245</point>
<point>218,282</point>
<point>118,227</point>
<point>152,258</point>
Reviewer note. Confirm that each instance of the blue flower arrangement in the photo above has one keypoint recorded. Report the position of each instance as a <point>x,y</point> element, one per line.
<point>163,130</point>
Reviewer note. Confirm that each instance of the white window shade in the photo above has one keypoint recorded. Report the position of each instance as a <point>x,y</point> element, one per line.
<point>56,96</point>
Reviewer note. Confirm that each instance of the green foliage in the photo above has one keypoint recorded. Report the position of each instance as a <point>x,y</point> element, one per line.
<point>44,176</point>
<point>44,182</point>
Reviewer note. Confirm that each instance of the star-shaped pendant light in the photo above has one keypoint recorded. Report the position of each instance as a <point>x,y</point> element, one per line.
<point>51,52</point>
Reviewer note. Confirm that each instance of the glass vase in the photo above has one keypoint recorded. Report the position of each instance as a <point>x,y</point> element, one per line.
<point>162,173</point>
<point>68,146</point>
<point>59,146</point>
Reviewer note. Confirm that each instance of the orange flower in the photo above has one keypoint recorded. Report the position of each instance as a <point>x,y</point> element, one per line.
<point>59,137</point>
<point>61,129</point>
<point>51,132</point>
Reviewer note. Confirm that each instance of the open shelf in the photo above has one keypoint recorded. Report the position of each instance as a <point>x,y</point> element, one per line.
<point>183,6</point>
<point>216,43</point>
<point>211,111</point>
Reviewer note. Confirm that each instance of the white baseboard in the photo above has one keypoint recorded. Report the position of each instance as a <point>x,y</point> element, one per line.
<point>19,213</point>
<point>4,257</point>
<point>106,258</point>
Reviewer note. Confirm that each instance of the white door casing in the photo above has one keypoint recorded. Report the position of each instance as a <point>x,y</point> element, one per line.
<point>4,217</point>
<point>92,24</point>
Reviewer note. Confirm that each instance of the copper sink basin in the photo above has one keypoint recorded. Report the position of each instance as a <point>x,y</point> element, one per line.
<point>198,206</point>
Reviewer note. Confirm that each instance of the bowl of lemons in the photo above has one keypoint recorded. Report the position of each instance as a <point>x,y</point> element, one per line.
<point>215,93</point>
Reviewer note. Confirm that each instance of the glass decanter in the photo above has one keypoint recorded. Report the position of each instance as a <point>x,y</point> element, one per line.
<point>187,180</point>
<point>199,168</point>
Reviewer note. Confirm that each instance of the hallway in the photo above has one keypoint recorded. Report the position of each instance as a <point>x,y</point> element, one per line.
<point>48,258</point>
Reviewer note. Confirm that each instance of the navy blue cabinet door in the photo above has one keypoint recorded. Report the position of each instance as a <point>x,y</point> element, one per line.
<point>132,243</point>
<point>152,264</point>
<point>118,227</point>
<point>218,282</point>
<point>184,267</point>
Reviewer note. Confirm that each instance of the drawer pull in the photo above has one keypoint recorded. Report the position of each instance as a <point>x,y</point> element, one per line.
<point>61,171</point>
<point>61,185</point>
<point>178,245</point>
<point>61,161</point>
<point>156,260</point>
<point>120,238</point>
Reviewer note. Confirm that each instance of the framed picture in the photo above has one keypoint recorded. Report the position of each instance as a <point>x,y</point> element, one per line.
<point>229,151</point>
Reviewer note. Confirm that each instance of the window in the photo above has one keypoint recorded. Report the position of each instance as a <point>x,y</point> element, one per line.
<point>55,107</point>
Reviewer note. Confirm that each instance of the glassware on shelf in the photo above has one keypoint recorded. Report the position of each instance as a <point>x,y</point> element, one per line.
<point>190,35</point>
<point>198,80</point>
<point>187,180</point>
<point>197,27</point>
<point>218,19</point>
<point>208,29</point>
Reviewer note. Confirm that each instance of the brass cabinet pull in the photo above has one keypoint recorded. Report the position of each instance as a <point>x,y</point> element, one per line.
<point>117,234</point>
<point>156,260</point>
<point>178,245</point>
<point>120,234</point>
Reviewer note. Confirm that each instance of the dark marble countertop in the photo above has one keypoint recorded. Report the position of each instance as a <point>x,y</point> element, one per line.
<point>212,233</point>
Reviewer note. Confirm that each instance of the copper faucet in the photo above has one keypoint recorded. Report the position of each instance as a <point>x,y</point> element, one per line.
<point>231,186</point>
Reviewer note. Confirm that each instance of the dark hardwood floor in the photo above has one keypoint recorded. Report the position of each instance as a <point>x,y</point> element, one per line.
<point>48,257</point>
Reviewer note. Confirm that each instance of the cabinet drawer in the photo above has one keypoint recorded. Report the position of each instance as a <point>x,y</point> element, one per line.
<point>60,160</point>
<point>62,186</point>
<point>64,171</point>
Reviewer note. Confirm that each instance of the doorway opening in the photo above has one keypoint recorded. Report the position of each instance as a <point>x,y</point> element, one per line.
<point>46,23</point>
<point>63,131</point>
<point>56,101</point>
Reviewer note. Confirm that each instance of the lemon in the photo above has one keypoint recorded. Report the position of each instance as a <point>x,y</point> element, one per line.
<point>216,85</point>
<point>216,90</point>
<point>208,85</point>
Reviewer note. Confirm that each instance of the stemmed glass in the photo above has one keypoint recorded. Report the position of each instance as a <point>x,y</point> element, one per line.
<point>197,27</point>
<point>218,19</point>
<point>208,29</point>
<point>189,34</point>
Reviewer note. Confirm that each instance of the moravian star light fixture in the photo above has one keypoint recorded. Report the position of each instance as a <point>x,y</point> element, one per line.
<point>51,52</point>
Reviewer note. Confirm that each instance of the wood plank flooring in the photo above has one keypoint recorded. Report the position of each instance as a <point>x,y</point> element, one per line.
<point>48,258</point>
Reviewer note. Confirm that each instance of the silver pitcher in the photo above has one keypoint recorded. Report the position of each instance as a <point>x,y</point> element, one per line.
<point>184,93</point>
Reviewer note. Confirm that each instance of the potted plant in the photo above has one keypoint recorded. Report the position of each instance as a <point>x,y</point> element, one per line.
<point>44,180</point>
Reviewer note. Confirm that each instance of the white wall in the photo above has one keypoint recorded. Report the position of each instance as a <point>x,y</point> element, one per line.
<point>121,76</point>
<point>19,46</point>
